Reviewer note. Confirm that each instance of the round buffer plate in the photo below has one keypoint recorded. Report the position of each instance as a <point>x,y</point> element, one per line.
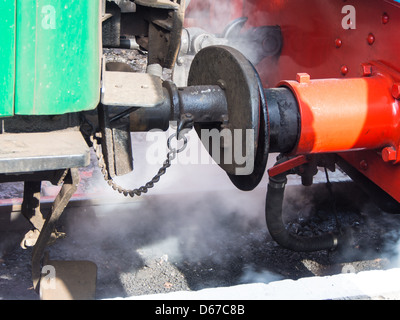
<point>237,148</point>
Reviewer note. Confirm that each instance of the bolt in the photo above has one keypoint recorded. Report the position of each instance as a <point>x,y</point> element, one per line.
<point>389,154</point>
<point>371,39</point>
<point>344,70</point>
<point>338,43</point>
<point>180,61</point>
<point>396,90</point>
<point>366,69</point>
<point>303,78</point>
<point>222,84</point>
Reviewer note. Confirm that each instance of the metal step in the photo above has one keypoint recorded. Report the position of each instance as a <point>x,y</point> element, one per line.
<point>68,280</point>
<point>130,89</point>
<point>32,152</point>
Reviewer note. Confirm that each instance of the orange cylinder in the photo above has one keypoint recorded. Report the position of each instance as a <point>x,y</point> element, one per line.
<point>345,114</point>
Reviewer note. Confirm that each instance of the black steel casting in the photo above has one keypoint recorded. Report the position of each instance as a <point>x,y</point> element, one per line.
<point>284,120</point>
<point>205,104</point>
<point>226,92</point>
<point>278,230</point>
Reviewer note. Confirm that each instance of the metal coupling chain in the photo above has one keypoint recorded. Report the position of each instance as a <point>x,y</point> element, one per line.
<point>171,155</point>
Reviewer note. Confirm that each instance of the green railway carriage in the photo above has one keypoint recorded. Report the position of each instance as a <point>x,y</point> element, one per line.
<point>50,56</point>
<point>58,98</point>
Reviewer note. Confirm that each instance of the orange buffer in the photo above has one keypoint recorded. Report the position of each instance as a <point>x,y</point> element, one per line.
<point>340,115</point>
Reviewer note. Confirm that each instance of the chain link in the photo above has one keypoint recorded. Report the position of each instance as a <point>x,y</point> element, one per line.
<point>171,155</point>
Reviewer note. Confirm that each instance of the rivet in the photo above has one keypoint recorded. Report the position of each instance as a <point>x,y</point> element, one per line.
<point>344,70</point>
<point>385,18</point>
<point>363,165</point>
<point>396,90</point>
<point>338,43</point>
<point>371,39</point>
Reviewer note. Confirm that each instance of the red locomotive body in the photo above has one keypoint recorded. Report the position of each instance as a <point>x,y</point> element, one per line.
<point>352,49</point>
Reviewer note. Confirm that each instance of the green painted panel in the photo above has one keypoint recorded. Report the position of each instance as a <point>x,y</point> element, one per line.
<point>58,56</point>
<point>7,57</point>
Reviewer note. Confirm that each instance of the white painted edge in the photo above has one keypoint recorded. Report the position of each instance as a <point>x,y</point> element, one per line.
<point>381,284</point>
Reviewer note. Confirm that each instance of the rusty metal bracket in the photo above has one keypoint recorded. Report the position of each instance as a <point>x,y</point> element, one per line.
<point>69,187</point>
<point>31,211</point>
<point>31,208</point>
